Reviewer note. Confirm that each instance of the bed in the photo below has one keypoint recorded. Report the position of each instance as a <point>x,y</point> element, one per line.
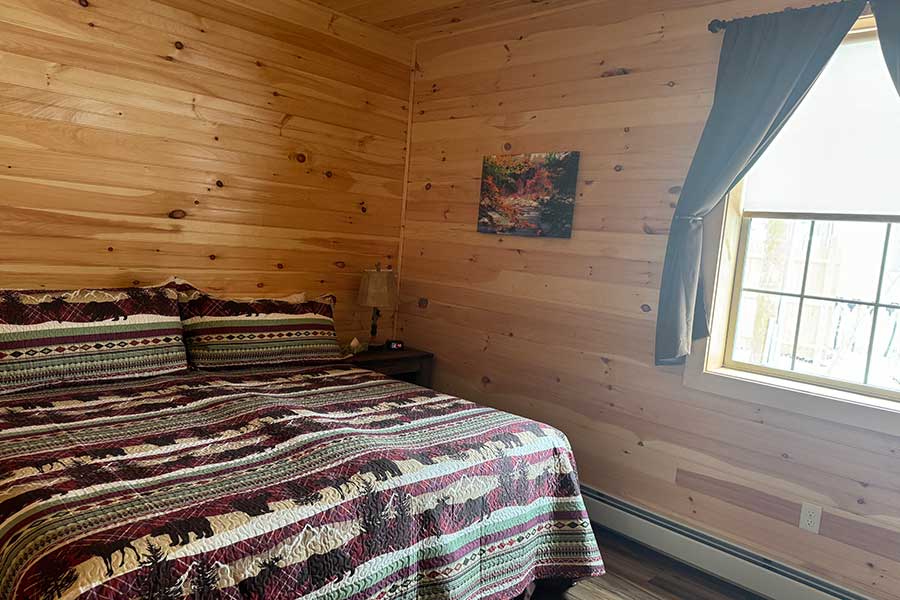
<point>315,482</point>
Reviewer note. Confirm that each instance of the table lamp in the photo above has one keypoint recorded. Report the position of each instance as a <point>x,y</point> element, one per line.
<point>378,289</point>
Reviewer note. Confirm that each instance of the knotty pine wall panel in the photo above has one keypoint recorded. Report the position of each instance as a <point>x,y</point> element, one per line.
<point>562,330</point>
<point>277,126</point>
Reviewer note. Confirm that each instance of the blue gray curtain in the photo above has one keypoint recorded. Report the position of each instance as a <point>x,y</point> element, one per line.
<point>767,65</point>
<point>887,15</point>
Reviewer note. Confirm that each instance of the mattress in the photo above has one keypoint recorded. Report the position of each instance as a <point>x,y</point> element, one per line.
<point>319,482</point>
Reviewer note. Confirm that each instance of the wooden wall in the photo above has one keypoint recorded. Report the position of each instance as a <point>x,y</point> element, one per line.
<point>562,330</point>
<point>277,126</point>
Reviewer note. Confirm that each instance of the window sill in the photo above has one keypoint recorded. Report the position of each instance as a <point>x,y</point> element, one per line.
<point>847,408</point>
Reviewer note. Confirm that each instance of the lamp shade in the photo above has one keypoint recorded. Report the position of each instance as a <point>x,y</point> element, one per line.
<point>378,288</point>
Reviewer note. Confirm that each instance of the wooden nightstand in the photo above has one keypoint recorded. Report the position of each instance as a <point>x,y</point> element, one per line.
<point>409,365</point>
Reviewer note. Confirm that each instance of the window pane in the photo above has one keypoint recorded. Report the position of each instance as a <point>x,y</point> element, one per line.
<point>845,260</point>
<point>764,333</point>
<point>834,340</point>
<point>884,370</point>
<point>890,287</point>
<point>776,253</point>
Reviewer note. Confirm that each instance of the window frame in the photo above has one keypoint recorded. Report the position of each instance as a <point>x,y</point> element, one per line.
<point>892,228</point>
<point>704,370</point>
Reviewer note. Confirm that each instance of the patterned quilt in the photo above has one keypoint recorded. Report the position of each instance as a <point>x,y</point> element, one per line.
<point>320,482</point>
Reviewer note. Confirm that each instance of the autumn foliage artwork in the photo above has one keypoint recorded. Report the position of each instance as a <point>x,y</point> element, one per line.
<point>529,194</point>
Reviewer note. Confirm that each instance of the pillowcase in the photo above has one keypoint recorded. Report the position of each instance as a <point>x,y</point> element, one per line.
<point>64,336</point>
<point>229,333</point>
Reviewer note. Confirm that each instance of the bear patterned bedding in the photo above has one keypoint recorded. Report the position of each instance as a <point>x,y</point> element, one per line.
<point>317,482</point>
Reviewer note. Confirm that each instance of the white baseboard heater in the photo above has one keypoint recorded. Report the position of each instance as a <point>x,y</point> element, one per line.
<point>717,557</point>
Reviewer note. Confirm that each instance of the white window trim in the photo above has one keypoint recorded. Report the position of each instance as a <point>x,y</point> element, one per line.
<point>705,370</point>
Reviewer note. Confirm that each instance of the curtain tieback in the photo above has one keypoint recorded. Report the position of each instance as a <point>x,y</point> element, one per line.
<point>689,219</point>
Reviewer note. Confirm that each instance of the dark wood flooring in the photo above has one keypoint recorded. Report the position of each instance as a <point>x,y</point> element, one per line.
<point>635,572</point>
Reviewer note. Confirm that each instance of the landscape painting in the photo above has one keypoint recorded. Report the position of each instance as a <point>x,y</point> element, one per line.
<point>529,194</point>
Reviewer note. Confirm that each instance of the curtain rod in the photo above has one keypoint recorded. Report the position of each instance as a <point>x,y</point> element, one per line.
<point>717,25</point>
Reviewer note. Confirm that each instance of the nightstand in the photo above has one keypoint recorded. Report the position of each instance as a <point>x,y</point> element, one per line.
<point>409,365</point>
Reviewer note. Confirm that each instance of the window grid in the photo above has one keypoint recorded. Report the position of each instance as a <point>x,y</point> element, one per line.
<point>887,242</point>
<point>812,230</point>
<point>802,296</point>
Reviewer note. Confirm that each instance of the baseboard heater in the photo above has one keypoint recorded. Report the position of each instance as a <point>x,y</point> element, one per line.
<point>727,561</point>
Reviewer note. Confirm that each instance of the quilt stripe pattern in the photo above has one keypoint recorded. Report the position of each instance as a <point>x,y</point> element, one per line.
<point>324,482</point>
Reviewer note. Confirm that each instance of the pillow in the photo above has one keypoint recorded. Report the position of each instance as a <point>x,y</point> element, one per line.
<point>51,337</point>
<point>228,333</point>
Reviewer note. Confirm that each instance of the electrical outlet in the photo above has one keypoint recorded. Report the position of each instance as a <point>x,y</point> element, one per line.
<point>810,517</point>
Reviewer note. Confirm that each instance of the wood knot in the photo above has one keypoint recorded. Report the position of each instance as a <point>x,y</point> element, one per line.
<point>329,174</point>
<point>177,214</point>
<point>485,380</point>
<point>427,186</point>
<point>616,72</point>
<point>675,189</point>
<point>423,302</point>
<point>507,146</point>
<point>618,168</point>
<point>219,183</point>
<point>179,45</point>
<point>110,249</point>
<point>212,257</point>
<point>84,3</point>
<point>363,209</point>
<point>301,158</point>
<point>259,285</point>
<point>279,266</point>
<point>646,308</point>
<point>340,264</point>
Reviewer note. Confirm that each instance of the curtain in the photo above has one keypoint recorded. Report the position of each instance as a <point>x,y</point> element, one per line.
<point>767,65</point>
<point>887,17</point>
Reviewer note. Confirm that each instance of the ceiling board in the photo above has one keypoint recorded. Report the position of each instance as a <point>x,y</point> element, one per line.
<point>423,19</point>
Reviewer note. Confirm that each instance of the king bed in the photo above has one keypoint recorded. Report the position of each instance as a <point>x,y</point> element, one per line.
<point>162,443</point>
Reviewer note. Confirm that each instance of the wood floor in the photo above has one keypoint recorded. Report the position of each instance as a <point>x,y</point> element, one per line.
<point>635,572</point>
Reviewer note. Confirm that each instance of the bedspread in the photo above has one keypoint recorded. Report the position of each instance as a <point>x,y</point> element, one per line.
<point>319,482</point>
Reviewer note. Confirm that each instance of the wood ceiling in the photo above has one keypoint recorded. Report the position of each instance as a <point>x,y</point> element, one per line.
<point>423,19</point>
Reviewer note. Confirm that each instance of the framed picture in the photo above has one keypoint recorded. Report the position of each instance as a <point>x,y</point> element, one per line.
<point>529,194</point>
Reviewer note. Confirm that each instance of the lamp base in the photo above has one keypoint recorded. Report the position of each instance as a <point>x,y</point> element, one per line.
<point>373,332</point>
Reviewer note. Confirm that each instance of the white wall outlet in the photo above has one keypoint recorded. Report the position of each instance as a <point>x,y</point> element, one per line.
<point>810,517</point>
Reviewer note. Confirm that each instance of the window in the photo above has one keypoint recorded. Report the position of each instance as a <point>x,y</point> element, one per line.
<point>816,295</point>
